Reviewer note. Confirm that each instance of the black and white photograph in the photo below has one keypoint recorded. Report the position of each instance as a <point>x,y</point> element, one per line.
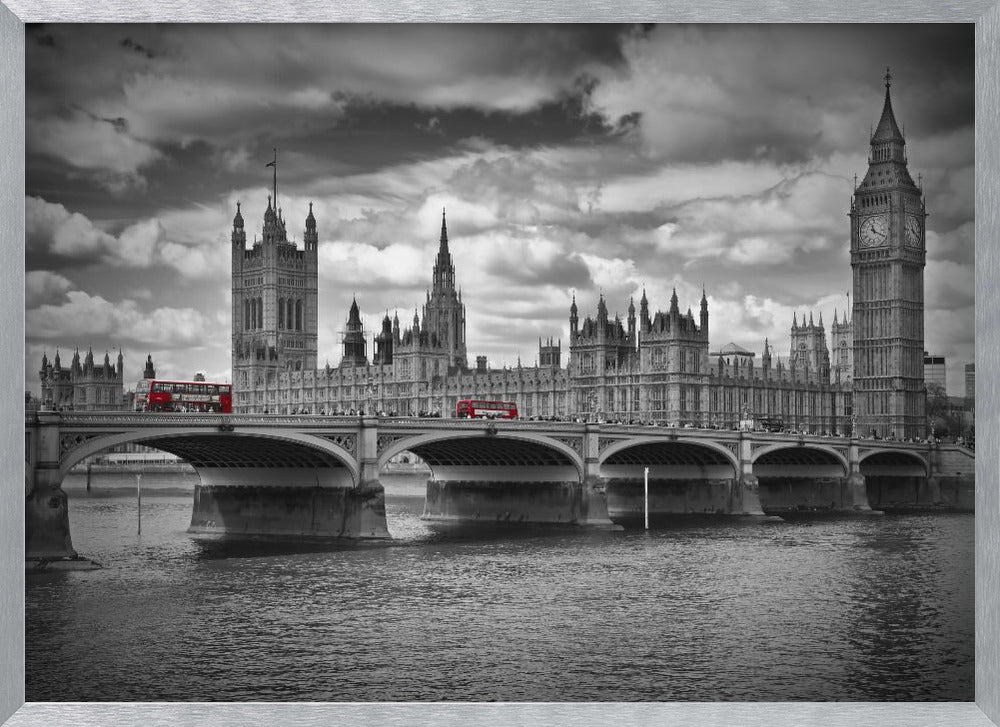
<point>372,363</point>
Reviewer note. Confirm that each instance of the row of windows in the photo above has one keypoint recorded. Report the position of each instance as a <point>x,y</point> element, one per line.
<point>253,313</point>
<point>290,314</point>
<point>878,199</point>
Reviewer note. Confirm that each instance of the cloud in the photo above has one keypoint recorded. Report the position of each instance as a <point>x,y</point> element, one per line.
<point>43,286</point>
<point>706,92</point>
<point>51,228</point>
<point>95,145</point>
<point>83,317</point>
<point>802,214</point>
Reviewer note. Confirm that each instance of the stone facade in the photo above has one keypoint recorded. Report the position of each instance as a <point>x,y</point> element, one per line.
<point>649,367</point>
<point>82,386</point>
<point>887,258</point>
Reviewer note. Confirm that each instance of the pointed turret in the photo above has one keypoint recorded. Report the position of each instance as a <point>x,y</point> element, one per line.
<point>795,321</point>
<point>704,314</point>
<point>311,237</point>
<point>674,310</point>
<point>238,219</point>
<point>574,321</point>
<point>887,156</point>
<point>887,129</point>
<point>443,249</point>
<point>644,321</point>
<point>57,365</point>
<point>354,315</point>
<point>149,372</point>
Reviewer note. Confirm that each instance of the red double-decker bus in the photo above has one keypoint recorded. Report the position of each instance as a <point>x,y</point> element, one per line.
<point>199,396</point>
<point>479,409</point>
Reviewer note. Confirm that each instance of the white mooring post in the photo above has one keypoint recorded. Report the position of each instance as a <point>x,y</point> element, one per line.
<point>138,498</point>
<point>646,507</point>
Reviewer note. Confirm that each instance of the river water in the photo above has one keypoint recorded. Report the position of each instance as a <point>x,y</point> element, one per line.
<point>862,609</point>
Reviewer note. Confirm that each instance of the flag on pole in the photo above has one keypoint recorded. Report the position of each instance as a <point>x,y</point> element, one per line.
<point>269,164</point>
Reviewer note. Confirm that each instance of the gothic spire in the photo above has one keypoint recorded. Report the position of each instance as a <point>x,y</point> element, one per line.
<point>443,250</point>
<point>354,316</point>
<point>887,129</point>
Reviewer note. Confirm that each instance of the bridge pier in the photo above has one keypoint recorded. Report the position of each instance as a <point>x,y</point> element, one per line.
<point>46,517</point>
<point>287,502</point>
<point>745,499</point>
<point>508,499</point>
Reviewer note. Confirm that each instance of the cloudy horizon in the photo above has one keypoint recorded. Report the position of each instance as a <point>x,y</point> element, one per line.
<point>572,160</point>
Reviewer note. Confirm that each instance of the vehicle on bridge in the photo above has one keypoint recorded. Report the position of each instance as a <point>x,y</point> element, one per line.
<point>192,396</point>
<point>479,409</point>
<point>770,424</point>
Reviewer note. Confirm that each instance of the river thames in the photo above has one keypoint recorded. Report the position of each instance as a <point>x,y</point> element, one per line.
<point>866,609</point>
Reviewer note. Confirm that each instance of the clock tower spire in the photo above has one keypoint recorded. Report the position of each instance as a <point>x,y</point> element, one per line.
<point>887,261</point>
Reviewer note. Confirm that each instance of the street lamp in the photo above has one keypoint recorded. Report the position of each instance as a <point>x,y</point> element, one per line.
<point>370,390</point>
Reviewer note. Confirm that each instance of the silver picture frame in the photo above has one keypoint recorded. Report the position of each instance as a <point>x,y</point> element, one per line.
<point>983,712</point>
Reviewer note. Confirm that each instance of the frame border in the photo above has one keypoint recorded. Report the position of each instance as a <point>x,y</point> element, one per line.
<point>985,14</point>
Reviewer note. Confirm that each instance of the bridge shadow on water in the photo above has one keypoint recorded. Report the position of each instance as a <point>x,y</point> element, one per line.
<point>219,547</point>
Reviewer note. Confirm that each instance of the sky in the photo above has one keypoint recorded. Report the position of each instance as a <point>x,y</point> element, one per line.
<point>572,160</point>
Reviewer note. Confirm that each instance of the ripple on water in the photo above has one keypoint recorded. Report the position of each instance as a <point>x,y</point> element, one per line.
<point>852,609</point>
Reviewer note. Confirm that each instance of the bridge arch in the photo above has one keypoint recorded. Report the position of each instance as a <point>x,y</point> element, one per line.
<point>892,463</point>
<point>792,455</point>
<point>486,449</point>
<point>660,450</point>
<point>207,448</point>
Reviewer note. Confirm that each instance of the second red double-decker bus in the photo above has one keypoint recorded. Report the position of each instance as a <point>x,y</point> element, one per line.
<point>480,409</point>
<point>199,396</point>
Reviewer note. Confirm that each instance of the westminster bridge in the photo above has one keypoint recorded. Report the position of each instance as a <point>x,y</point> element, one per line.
<point>318,476</point>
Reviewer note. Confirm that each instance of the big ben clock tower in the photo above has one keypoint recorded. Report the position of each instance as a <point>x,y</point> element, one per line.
<point>887,260</point>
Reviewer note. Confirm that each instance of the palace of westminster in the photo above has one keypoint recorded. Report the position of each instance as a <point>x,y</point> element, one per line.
<point>653,366</point>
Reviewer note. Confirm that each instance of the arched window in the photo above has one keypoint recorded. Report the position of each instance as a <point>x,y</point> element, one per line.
<point>290,310</point>
<point>298,315</point>
<point>246,314</point>
<point>281,312</point>
<point>260,312</point>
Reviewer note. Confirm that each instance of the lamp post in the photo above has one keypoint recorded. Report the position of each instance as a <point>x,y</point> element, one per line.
<point>370,388</point>
<point>646,505</point>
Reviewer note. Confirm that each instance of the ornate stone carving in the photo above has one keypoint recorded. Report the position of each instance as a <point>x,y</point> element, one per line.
<point>387,440</point>
<point>605,442</point>
<point>574,443</point>
<point>347,441</point>
<point>72,441</point>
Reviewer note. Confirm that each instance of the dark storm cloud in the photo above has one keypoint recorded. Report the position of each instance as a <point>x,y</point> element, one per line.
<point>561,272</point>
<point>784,93</point>
<point>138,48</point>
<point>569,158</point>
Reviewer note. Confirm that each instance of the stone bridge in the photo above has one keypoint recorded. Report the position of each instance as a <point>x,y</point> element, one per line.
<point>314,476</point>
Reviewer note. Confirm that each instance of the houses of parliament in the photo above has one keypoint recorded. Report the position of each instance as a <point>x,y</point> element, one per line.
<point>652,366</point>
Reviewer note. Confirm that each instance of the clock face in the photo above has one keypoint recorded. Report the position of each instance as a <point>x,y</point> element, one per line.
<point>912,231</point>
<point>874,230</point>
